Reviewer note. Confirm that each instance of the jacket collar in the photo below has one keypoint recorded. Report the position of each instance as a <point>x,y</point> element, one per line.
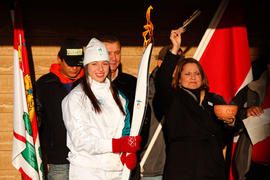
<point>55,69</point>
<point>95,84</point>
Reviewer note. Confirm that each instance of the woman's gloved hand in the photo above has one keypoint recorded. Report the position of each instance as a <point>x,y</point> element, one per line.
<point>130,160</point>
<point>130,144</point>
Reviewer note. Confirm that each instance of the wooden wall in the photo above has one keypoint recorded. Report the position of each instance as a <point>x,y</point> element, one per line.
<point>6,104</point>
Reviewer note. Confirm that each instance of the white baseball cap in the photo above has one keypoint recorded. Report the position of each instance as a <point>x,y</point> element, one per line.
<point>95,51</point>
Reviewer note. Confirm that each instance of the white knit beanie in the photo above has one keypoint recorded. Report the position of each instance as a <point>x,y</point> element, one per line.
<point>95,51</point>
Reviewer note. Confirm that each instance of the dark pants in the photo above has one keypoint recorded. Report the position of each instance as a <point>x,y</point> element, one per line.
<point>58,172</point>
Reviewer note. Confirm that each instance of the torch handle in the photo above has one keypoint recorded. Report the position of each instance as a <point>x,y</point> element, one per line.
<point>191,18</point>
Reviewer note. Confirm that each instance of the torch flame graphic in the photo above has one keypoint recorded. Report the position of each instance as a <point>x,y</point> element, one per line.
<point>149,27</point>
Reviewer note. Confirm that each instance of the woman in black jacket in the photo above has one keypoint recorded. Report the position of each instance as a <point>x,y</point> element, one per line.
<point>194,135</point>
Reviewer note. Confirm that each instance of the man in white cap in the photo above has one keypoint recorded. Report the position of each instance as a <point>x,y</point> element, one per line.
<point>51,88</point>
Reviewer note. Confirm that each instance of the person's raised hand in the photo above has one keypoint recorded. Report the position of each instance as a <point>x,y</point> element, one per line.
<point>176,39</point>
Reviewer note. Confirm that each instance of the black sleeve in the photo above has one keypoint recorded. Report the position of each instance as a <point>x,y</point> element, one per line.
<point>163,81</point>
<point>240,99</point>
<point>38,104</point>
<point>218,100</point>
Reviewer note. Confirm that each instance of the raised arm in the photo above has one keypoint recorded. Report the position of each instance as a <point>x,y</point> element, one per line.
<point>164,74</point>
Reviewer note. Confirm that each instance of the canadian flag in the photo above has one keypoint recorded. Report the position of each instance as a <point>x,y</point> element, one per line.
<point>224,53</point>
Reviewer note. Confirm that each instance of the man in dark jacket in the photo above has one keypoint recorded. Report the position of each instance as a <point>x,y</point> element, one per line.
<point>51,88</point>
<point>251,100</point>
<point>124,82</point>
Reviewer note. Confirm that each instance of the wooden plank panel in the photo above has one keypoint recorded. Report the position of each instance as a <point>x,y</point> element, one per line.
<point>6,141</point>
<point>6,84</point>
<point>53,50</point>
<point>41,64</point>
<point>6,103</point>
<point>138,51</point>
<point>6,65</point>
<point>5,160</point>
<point>45,50</point>
<point>130,64</point>
<point>132,50</point>
<point>6,121</point>
<point>6,51</point>
<point>11,174</point>
<point>126,50</point>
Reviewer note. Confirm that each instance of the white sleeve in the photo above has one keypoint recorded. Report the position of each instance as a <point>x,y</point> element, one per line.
<point>77,125</point>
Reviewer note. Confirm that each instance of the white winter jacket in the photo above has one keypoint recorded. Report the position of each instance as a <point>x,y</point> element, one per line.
<point>89,134</point>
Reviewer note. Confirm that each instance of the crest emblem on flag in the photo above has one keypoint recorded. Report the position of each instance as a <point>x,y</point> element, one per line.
<point>26,153</point>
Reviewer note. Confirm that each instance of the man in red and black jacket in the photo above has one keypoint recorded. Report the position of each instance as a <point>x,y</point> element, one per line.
<point>51,89</point>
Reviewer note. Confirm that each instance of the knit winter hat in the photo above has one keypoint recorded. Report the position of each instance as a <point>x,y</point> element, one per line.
<point>95,51</point>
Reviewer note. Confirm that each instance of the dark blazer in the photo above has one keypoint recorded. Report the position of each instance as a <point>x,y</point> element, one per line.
<point>194,136</point>
<point>126,83</point>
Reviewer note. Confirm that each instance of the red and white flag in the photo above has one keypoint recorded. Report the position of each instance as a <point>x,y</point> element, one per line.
<point>224,52</point>
<point>261,150</point>
<point>26,153</point>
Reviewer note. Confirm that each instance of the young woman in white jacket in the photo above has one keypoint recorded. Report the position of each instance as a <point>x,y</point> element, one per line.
<point>97,122</point>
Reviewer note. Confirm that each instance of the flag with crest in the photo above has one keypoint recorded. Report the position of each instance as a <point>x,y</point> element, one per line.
<point>26,152</point>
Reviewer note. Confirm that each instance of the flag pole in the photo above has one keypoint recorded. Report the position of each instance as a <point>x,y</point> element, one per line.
<point>150,147</point>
